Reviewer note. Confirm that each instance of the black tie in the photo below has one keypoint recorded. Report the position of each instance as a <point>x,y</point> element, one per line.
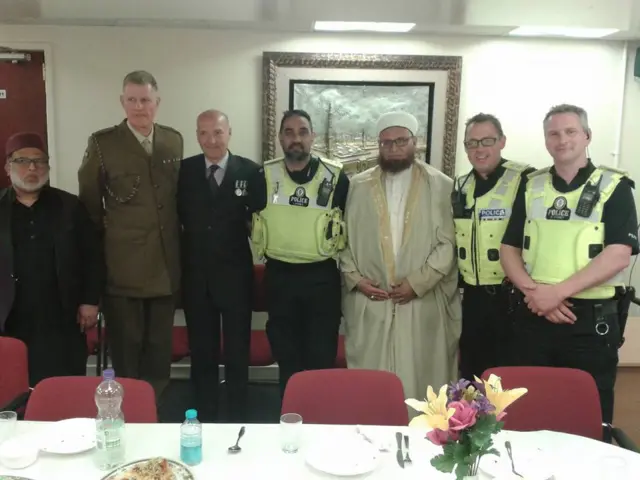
<point>211,176</point>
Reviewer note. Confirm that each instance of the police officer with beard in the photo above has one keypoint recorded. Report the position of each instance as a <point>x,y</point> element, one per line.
<point>299,233</point>
<point>570,237</point>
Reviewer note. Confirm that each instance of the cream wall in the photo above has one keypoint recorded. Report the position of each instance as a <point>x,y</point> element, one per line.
<point>516,79</point>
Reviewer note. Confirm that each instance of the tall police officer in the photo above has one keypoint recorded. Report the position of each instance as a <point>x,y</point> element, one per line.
<point>482,202</point>
<point>571,235</point>
<point>299,233</point>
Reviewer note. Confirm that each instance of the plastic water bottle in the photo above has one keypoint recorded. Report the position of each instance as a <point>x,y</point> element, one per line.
<point>191,439</point>
<point>110,442</point>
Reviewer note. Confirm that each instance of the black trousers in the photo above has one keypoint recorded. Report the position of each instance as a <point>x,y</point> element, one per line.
<point>205,314</point>
<point>304,306</point>
<point>487,330</point>
<point>538,342</point>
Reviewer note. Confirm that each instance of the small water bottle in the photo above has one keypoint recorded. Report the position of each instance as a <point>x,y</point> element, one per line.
<point>110,442</point>
<point>191,439</point>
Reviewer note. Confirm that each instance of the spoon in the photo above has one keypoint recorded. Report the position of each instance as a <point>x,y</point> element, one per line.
<point>236,448</point>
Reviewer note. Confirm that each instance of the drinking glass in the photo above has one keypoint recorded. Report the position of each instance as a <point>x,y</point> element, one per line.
<point>290,432</point>
<point>8,422</point>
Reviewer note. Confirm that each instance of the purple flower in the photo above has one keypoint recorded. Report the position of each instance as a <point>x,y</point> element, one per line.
<point>482,404</point>
<point>456,390</point>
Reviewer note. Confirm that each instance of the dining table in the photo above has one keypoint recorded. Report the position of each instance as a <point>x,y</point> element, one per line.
<point>569,457</point>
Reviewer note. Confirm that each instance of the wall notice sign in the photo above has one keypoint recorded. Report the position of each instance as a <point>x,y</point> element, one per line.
<point>3,94</point>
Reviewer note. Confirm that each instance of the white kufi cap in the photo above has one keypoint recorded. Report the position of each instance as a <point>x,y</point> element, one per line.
<point>398,119</point>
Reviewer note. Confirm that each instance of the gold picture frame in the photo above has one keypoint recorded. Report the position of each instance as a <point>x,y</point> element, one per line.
<point>282,69</point>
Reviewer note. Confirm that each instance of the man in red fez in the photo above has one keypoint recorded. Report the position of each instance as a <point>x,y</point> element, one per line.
<point>51,268</point>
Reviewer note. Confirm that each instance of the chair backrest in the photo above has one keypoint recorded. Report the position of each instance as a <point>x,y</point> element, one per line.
<point>60,398</point>
<point>559,399</point>
<point>14,369</point>
<point>259,295</point>
<point>346,397</point>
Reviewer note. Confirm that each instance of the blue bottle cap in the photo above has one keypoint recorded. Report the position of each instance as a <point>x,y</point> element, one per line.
<point>108,374</point>
<point>191,414</point>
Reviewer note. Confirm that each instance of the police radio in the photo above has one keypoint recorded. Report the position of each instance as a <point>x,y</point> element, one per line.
<point>324,192</point>
<point>588,199</point>
<point>458,202</point>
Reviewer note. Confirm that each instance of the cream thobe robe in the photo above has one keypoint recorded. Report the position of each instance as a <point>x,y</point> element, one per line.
<point>417,341</point>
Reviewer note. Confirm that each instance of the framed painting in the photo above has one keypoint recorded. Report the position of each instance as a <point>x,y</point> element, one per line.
<point>346,93</point>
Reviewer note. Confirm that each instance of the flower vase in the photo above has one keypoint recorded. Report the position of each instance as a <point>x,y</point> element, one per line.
<point>471,477</point>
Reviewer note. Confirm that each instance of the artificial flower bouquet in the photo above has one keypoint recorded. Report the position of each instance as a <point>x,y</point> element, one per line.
<point>463,418</point>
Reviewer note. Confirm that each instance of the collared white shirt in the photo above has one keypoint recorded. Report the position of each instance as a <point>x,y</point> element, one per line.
<point>222,164</point>
<point>141,138</point>
<point>397,190</point>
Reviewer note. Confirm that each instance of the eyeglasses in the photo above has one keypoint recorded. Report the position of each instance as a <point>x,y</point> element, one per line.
<point>485,142</point>
<point>25,162</point>
<point>398,142</point>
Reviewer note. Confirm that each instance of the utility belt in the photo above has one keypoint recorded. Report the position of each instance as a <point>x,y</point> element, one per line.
<point>592,314</point>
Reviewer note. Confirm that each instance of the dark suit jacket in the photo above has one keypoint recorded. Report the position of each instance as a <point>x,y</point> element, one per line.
<point>78,254</point>
<point>215,228</point>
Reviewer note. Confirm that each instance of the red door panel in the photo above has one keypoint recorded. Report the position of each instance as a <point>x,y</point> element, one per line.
<point>25,105</point>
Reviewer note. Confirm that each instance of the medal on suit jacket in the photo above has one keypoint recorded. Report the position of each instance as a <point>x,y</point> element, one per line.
<point>241,188</point>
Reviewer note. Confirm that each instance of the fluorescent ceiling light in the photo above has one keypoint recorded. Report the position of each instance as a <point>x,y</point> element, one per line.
<point>563,32</point>
<point>364,26</point>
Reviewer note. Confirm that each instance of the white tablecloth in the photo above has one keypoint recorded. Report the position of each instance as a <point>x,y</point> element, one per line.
<point>574,458</point>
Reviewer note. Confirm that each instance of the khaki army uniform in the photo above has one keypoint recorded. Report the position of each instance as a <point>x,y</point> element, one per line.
<point>130,195</point>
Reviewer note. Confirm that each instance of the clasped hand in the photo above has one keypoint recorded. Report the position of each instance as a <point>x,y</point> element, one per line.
<point>401,293</point>
<point>546,301</point>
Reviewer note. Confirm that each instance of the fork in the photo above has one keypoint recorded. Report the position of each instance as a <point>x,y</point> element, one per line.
<point>380,448</point>
<point>407,458</point>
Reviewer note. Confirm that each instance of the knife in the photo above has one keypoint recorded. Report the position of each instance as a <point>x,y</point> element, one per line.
<point>399,456</point>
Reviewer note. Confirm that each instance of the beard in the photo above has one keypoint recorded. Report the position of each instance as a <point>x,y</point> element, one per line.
<point>28,187</point>
<point>296,154</point>
<point>396,165</point>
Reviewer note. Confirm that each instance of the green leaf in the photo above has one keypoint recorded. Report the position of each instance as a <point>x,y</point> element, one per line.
<point>443,462</point>
<point>462,470</point>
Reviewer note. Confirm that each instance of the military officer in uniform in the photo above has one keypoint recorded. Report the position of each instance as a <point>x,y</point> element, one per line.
<point>482,202</point>
<point>570,237</point>
<point>128,180</point>
<point>300,232</point>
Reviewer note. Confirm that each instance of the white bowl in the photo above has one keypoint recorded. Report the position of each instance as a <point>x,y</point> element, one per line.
<point>18,452</point>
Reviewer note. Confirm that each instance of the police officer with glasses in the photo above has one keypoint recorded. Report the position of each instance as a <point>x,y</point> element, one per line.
<point>482,201</point>
<point>570,237</point>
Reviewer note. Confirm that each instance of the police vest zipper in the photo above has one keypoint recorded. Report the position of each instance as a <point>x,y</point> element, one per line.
<point>474,250</point>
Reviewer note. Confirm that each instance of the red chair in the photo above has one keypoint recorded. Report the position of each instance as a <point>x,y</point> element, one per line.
<point>550,403</point>
<point>261,355</point>
<point>346,397</point>
<point>60,398</point>
<point>179,344</point>
<point>14,373</point>
<point>341,358</point>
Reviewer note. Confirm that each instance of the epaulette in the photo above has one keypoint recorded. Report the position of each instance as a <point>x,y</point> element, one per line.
<point>619,171</point>
<point>105,131</point>
<point>516,166</point>
<point>170,129</point>
<point>538,172</point>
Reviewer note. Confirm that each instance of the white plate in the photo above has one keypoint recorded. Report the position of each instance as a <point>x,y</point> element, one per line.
<point>179,471</point>
<point>343,457</point>
<point>71,436</point>
<point>533,464</point>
